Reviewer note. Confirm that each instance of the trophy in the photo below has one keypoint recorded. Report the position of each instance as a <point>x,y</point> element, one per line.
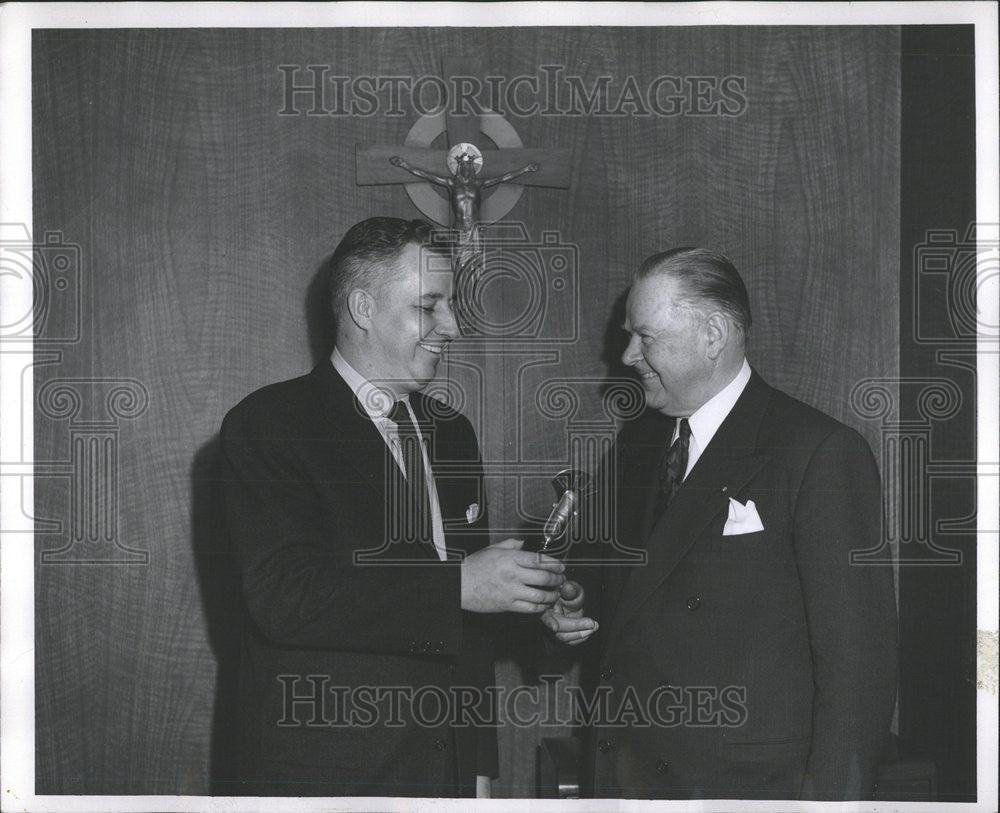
<point>569,485</point>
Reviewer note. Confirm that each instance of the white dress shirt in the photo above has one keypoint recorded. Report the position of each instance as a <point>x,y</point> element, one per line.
<point>378,404</point>
<point>707,419</point>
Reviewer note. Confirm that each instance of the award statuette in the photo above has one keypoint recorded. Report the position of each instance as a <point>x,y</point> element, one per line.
<point>569,485</point>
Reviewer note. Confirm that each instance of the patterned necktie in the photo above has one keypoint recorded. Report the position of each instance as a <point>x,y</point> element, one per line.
<point>413,520</point>
<point>673,467</point>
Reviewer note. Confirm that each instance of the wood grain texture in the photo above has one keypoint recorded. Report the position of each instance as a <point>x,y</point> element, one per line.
<point>203,216</point>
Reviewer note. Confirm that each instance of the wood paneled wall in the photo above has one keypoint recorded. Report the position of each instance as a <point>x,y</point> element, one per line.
<point>202,216</point>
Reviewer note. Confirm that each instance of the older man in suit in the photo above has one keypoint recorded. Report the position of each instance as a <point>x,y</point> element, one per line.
<point>357,511</point>
<point>748,656</point>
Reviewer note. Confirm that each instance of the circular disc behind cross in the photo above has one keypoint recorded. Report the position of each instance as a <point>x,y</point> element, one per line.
<point>435,205</point>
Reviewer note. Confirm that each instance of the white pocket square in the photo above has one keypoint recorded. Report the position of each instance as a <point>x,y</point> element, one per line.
<point>743,519</point>
<point>472,513</point>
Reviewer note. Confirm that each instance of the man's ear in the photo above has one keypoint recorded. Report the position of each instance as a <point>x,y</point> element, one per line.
<point>360,306</point>
<point>718,331</point>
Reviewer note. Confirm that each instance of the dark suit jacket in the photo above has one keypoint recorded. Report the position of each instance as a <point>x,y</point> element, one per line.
<point>304,477</point>
<point>779,654</point>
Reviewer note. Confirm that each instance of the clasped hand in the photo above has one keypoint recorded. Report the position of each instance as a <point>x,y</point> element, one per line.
<point>565,618</point>
<point>503,578</point>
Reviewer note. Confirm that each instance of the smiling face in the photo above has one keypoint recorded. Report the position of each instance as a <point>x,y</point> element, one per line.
<point>668,347</point>
<point>410,323</point>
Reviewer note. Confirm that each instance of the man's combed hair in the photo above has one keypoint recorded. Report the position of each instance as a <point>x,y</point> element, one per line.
<point>705,276</point>
<point>365,254</point>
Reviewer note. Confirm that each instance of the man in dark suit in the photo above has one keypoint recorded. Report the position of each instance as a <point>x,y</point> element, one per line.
<point>357,511</point>
<point>747,657</point>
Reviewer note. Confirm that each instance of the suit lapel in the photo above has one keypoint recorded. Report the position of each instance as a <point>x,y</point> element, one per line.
<point>356,443</point>
<point>354,440</point>
<point>638,477</point>
<point>731,459</point>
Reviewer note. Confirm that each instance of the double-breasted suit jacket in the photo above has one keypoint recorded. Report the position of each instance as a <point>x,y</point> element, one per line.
<point>764,662</point>
<point>334,649</point>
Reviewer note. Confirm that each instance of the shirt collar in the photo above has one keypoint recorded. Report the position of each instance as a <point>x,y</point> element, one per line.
<point>375,401</point>
<point>707,419</point>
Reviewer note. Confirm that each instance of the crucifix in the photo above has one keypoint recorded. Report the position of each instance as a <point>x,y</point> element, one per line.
<point>470,172</point>
<point>465,161</point>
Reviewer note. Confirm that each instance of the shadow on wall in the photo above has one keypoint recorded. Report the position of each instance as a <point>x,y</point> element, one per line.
<point>319,319</point>
<point>520,639</point>
<point>615,342</point>
<point>219,583</point>
<point>218,575</point>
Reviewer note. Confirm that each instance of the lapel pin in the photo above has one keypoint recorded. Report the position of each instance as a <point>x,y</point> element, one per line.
<point>725,489</point>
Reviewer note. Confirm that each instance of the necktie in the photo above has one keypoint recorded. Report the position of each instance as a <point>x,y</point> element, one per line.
<point>673,467</point>
<point>413,519</point>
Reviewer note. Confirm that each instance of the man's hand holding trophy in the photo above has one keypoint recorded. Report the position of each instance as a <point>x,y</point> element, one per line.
<point>565,618</point>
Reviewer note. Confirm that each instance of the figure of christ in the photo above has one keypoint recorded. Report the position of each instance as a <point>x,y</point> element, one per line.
<point>465,189</point>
